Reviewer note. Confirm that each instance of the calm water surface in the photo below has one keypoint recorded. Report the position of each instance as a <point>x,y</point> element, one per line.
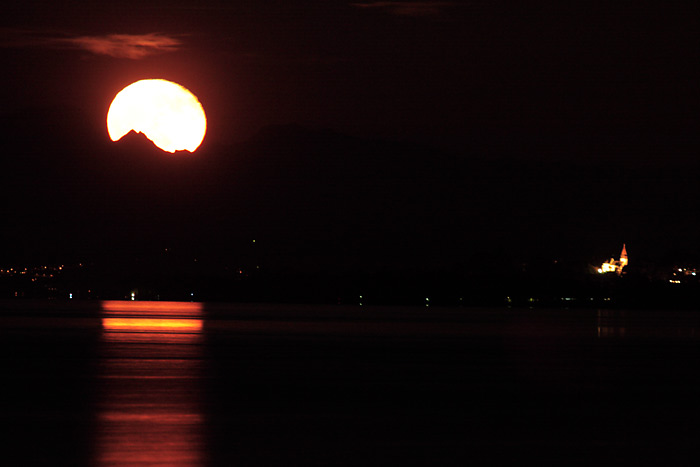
<point>163,383</point>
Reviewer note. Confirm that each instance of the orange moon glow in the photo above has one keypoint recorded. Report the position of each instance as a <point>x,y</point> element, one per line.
<point>165,112</point>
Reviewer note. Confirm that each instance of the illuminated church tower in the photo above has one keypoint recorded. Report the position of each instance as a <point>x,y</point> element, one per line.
<point>623,258</point>
<point>615,266</point>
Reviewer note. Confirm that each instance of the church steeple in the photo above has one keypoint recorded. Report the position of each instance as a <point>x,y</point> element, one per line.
<point>615,266</point>
<point>623,257</point>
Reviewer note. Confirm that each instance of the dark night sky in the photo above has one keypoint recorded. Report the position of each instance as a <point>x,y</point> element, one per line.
<point>394,134</point>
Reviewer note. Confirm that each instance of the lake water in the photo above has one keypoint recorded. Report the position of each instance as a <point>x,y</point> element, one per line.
<point>163,383</point>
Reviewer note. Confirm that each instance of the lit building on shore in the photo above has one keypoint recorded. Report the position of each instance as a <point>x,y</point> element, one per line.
<point>613,265</point>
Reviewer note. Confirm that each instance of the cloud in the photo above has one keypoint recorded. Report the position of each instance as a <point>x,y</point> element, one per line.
<point>132,46</point>
<point>408,8</point>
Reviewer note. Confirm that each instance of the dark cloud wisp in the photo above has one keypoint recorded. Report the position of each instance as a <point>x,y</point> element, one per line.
<point>131,46</point>
<point>407,8</point>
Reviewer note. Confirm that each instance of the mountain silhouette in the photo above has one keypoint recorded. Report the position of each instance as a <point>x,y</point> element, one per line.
<point>316,198</point>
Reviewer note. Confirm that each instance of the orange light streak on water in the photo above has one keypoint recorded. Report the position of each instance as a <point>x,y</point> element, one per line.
<point>130,306</point>
<point>136,316</point>
<point>152,324</point>
<point>149,402</point>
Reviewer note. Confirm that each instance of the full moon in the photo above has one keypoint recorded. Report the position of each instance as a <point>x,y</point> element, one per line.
<point>166,113</point>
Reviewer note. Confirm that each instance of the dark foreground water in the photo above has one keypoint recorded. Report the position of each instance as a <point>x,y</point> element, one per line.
<point>155,383</point>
